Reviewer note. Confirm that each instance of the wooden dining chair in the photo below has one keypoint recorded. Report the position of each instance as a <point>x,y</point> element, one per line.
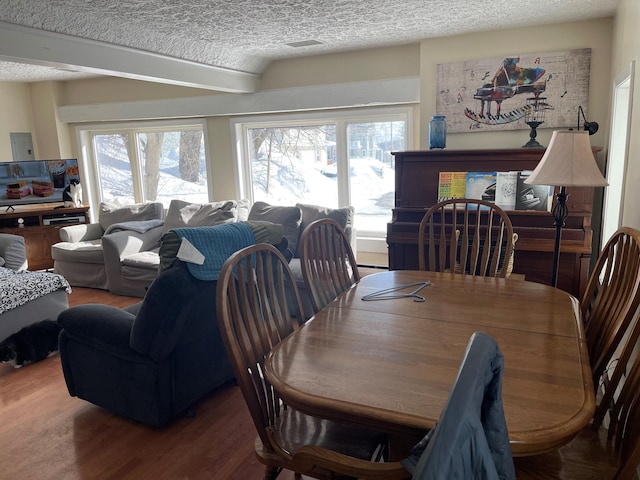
<point>468,236</point>
<point>609,310</point>
<point>601,453</point>
<point>327,262</point>
<point>254,317</point>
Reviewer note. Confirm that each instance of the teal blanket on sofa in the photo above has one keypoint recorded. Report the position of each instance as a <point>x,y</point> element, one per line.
<point>216,243</point>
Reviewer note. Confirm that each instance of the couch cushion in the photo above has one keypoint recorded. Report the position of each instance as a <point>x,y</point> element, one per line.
<point>179,214</point>
<point>15,255</point>
<point>185,214</point>
<point>148,260</point>
<point>311,213</point>
<point>211,214</point>
<point>110,214</point>
<point>289,217</point>
<point>78,252</point>
<point>243,210</point>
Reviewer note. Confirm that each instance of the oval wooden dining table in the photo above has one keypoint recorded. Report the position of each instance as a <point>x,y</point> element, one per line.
<point>390,364</point>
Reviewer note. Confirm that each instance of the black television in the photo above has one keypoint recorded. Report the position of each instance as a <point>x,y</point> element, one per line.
<point>31,182</point>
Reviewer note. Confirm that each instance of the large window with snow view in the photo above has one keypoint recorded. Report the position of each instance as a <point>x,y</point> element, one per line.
<point>333,161</point>
<point>150,163</point>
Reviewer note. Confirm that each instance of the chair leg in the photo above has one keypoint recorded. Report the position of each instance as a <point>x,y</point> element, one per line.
<point>271,473</point>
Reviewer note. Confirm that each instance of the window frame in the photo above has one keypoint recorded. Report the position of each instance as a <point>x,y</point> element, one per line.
<point>342,119</point>
<point>89,174</point>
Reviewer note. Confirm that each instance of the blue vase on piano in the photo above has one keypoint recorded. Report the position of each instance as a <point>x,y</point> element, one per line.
<point>437,132</point>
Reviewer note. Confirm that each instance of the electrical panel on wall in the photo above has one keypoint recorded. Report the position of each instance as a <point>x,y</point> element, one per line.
<point>21,146</point>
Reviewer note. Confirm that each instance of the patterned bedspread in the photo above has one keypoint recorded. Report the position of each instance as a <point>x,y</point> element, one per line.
<point>19,288</point>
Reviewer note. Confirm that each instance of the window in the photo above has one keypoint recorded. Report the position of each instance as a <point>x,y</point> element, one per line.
<point>331,160</point>
<point>134,164</point>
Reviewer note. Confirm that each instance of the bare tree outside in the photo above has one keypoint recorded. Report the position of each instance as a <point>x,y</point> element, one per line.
<point>152,152</point>
<point>299,164</point>
<point>277,152</point>
<point>189,164</point>
<point>171,163</point>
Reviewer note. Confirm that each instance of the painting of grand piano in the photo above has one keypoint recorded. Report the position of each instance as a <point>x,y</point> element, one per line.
<point>498,93</point>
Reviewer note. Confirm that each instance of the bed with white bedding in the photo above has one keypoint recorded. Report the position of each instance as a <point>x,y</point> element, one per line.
<point>30,297</point>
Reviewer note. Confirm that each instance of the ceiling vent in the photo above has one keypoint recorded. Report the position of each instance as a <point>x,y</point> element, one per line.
<point>304,43</point>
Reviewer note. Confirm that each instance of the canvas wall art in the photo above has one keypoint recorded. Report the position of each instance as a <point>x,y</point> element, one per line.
<point>497,93</point>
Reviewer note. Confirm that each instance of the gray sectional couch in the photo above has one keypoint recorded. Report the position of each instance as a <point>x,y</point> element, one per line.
<point>123,256</point>
<point>131,257</point>
<point>79,257</point>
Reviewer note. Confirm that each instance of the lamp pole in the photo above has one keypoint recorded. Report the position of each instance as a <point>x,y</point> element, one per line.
<point>560,213</point>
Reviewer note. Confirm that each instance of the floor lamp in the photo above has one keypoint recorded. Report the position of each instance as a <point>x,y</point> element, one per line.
<point>567,162</point>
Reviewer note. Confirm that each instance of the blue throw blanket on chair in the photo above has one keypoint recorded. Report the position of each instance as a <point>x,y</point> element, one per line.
<point>216,243</point>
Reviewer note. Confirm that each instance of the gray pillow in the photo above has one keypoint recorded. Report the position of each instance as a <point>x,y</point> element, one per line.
<point>211,214</point>
<point>110,214</point>
<point>179,214</point>
<point>288,217</point>
<point>15,255</point>
<point>311,213</point>
<point>243,210</point>
<point>185,214</point>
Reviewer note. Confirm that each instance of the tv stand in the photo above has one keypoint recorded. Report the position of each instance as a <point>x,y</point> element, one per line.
<point>39,226</point>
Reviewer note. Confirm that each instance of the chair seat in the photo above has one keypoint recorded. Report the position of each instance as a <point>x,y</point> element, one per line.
<point>589,456</point>
<point>89,251</point>
<point>296,429</point>
<point>149,260</point>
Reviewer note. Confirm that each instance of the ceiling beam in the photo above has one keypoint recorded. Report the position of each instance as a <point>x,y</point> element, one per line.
<point>395,91</point>
<point>40,47</point>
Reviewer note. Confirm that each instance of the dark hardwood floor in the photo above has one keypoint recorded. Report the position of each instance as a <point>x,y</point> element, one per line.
<point>47,435</point>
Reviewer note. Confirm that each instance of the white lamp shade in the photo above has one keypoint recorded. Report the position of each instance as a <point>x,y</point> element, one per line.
<point>568,161</point>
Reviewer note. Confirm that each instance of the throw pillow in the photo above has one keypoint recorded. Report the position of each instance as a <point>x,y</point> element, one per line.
<point>179,214</point>
<point>15,255</point>
<point>211,214</point>
<point>243,210</point>
<point>343,216</point>
<point>110,214</point>
<point>185,214</point>
<point>289,217</point>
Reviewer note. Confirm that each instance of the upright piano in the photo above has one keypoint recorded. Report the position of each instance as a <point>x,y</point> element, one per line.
<point>416,185</point>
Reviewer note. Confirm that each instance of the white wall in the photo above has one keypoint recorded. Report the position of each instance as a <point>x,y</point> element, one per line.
<point>16,116</point>
<point>626,48</point>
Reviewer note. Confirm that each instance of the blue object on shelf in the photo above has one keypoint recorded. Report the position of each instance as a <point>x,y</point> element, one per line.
<point>437,132</point>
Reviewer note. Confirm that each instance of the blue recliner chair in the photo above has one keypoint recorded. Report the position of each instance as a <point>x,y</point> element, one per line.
<point>149,366</point>
<point>153,361</point>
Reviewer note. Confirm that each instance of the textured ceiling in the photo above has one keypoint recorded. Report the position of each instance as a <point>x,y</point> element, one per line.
<point>245,35</point>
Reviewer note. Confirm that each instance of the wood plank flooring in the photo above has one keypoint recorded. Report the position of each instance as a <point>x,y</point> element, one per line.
<point>47,435</point>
